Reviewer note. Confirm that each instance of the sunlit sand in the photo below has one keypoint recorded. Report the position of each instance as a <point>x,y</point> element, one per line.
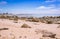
<point>36,30</point>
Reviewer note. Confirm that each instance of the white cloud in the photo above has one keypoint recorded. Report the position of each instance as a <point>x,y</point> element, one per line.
<point>38,10</point>
<point>3,2</point>
<point>0,10</point>
<point>47,10</point>
<point>44,7</point>
<point>50,0</point>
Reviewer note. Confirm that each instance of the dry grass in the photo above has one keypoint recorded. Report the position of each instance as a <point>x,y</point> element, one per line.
<point>49,22</point>
<point>48,34</point>
<point>23,18</point>
<point>15,19</point>
<point>32,19</point>
<point>43,21</point>
<point>3,28</point>
<point>45,33</point>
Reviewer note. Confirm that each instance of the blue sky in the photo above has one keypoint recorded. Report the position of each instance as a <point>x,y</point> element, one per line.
<point>30,6</point>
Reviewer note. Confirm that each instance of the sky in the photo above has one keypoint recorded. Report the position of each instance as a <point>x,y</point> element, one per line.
<point>30,6</point>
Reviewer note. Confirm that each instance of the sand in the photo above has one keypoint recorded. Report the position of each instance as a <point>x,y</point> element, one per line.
<point>16,32</point>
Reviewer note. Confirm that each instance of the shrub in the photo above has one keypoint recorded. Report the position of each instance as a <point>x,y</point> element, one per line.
<point>23,18</point>
<point>49,22</point>
<point>30,20</point>
<point>25,26</point>
<point>2,16</point>
<point>35,20</point>
<point>43,21</point>
<point>15,19</point>
<point>45,33</point>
